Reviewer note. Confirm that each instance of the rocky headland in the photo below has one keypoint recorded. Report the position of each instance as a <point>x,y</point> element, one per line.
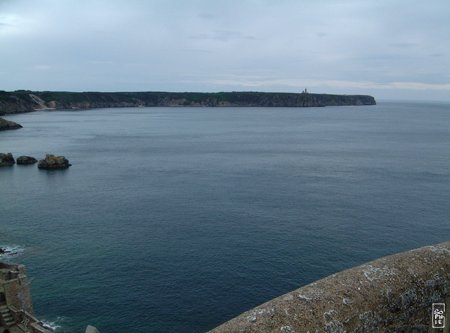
<point>8,125</point>
<point>27,101</point>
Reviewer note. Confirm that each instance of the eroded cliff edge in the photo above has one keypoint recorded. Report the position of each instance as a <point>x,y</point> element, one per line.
<point>26,101</point>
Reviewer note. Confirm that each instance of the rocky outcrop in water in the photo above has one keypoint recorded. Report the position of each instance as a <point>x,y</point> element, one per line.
<point>6,160</point>
<point>52,162</point>
<point>8,125</point>
<point>25,160</point>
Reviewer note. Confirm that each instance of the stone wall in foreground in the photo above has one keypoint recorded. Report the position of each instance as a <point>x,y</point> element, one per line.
<point>15,287</point>
<point>391,294</point>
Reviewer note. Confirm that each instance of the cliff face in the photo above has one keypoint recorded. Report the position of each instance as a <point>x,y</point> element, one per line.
<point>16,103</point>
<point>26,101</point>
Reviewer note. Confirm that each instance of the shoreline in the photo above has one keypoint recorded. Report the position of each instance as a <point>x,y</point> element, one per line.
<point>22,101</point>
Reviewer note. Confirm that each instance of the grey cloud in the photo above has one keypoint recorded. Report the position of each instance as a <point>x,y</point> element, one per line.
<point>137,44</point>
<point>207,16</point>
<point>221,35</point>
<point>404,45</point>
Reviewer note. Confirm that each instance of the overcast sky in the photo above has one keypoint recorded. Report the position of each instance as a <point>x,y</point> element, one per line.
<point>386,48</point>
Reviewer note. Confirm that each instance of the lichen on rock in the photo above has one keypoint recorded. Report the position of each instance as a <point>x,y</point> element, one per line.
<point>390,294</point>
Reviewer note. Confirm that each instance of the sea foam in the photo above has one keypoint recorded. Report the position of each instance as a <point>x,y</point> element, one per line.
<point>54,325</point>
<point>10,251</point>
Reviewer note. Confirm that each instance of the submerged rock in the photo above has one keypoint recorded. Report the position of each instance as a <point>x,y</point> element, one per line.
<point>24,160</point>
<point>52,162</point>
<point>8,125</point>
<point>5,251</point>
<point>6,160</point>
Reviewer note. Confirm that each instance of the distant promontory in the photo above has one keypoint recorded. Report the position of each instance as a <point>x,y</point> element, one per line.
<point>25,100</point>
<point>8,125</point>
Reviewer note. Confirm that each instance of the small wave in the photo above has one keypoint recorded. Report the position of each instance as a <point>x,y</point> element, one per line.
<point>54,325</point>
<point>10,251</point>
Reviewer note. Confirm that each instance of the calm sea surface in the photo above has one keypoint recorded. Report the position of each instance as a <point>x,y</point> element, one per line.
<point>178,219</point>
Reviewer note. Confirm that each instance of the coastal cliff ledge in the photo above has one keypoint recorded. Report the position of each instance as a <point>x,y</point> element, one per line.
<point>27,101</point>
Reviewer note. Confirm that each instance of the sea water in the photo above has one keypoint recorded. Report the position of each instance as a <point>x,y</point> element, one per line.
<point>178,219</point>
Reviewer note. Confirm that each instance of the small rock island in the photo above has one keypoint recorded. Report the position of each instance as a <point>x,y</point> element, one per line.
<point>52,162</point>
<point>7,160</point>
<point>26,160</point>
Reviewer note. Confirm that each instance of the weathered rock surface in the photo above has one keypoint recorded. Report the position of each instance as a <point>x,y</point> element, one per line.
<point>25,160</point>
<point>391,294</point>
<point>8,125</point>
<point>52,162</point>
<point>6,160</point>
